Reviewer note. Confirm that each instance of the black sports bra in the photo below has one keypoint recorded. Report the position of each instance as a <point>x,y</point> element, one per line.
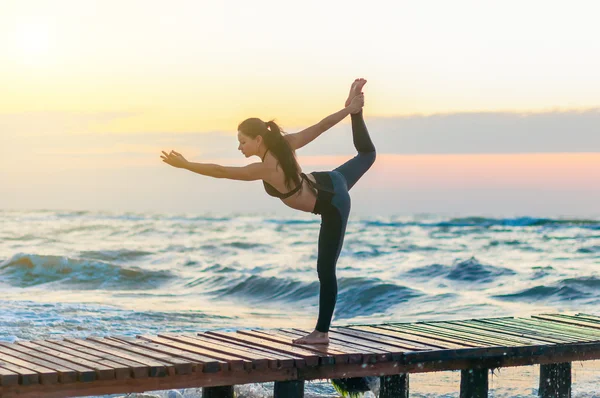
<point>270,189</point>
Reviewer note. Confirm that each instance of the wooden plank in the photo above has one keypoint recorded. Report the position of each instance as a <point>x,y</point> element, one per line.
<point>26,376</point>
<point>257,356</point>
<point>474,338</point>
<point>563,327</point>
<point>283,360</point>
<point>235,362</point>
<point>572,330</point>
<point>518,339</point>
<point>432,340</point>
<point>103,372</point>
<point>390,352</point>
<point>8,377</point>
<point>165,360</point>
<point>525,331</point>
<point>556,329</point>
<point>589,316</point>
<point>379,338</point>
<point>330,348</point>
<point>126,367</point>
<point>357,354</point>
<point>405,337</point>
<point>570,320</point>
<point>208,364</point>
<point>180,365</point>
<point>120,371</point>
<point>508,331</point>
<point>46,375</point>
<point>326,355</point>
<point>436,334</point>
<point>65,374</point>
<point>303,357</point>
<point>154,368</point>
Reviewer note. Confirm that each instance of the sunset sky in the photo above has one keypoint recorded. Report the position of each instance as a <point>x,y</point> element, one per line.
<point>91,91</point>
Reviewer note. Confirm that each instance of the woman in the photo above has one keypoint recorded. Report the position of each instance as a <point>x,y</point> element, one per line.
<point>324,193</point>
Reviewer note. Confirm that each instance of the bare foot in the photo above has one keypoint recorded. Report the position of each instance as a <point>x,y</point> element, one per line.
<point>315,337</point>
<point>355,89</point>
<point>357,103</point>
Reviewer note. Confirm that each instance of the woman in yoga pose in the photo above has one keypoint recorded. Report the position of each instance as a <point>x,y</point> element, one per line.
<point>324,193</point>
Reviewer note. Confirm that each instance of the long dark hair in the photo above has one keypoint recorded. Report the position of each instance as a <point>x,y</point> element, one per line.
<point>275,142</point>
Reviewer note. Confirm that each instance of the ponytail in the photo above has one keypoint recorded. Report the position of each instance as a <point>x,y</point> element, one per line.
<point>275,142</point>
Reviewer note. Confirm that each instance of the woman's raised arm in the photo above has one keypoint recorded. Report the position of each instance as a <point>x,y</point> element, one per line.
<point>251,172</point>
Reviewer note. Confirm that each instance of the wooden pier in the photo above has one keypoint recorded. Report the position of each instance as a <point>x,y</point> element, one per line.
<point>218,360</point>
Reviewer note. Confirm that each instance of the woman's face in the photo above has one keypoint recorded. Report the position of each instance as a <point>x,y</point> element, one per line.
<point>247,145</point>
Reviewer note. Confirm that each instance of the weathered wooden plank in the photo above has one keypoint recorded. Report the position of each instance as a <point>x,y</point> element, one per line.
<point>412,334</point>
<point>120,371</point>
<point>235,362</point>
<point>181,365</point>
<point>402,337</point>
<point>8,377</point>
<point>517,339</point>
<point>168,362</point>
<point>327,355</point>
<point>570,320</point>
<point>126,368</point>
<point>527,332</point>
<point>556,329</point>
<point>449,332</point>
<point>195,362</point>
<point>26,376</point>
<point>209,364</point>
<point>589,316</point>
<point>257,356</point>
<point>153,368</point>
<point>283,360</point>
<point>46,375</point>
<point>379,338</point>
<point>357,354</point>
<point>390,352</point>
<point>574,331</point>
<point>302,357</point>
<point>507,331</point>
<point>559,327</point>
<point>65,374</point>
<point>423,331</point>
<point>103,372</point>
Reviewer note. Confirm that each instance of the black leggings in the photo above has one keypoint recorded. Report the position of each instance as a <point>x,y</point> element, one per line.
<point>334,206</point>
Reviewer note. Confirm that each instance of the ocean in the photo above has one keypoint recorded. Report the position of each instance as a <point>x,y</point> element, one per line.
<point>84,273</point>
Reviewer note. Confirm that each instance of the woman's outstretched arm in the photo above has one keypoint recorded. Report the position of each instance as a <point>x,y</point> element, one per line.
<point>301,138</point>
<point>251,172</point>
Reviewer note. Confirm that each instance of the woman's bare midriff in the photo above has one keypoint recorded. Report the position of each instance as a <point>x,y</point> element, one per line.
<point>305,199</point>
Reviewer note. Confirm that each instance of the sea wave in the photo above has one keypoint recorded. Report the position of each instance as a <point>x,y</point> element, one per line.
<point>470,270</point>
<point>24,270</point>
<point>566,289</point>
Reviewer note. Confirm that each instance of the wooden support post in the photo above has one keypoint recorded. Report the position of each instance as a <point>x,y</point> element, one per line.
<point>289,389</point>
<point>555,380</point>
<point>217,392</point>
<point>394,386</point>
<point>474,383</point>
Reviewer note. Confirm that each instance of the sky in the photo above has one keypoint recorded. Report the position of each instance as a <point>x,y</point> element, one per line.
<point>475,107</point>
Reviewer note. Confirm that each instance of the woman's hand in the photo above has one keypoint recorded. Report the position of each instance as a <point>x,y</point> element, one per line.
<point>175,159</point>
